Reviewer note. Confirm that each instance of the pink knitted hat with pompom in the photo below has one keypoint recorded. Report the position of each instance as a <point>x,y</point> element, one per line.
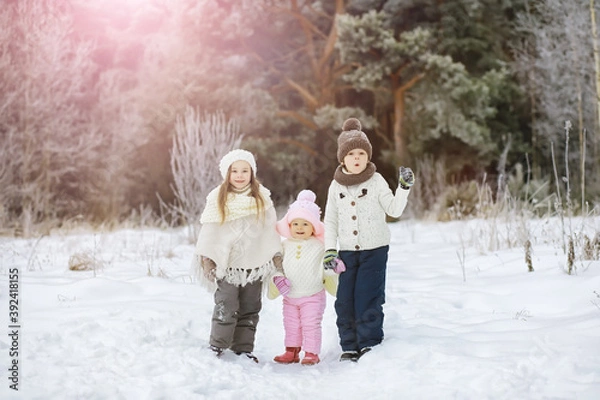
<point>305,208</point>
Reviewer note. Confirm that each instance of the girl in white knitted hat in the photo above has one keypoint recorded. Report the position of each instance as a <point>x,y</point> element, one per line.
<point>237,249</point>
<point>302,281</point>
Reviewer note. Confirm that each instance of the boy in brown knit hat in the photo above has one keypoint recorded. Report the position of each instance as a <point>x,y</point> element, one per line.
<point>355,222</point>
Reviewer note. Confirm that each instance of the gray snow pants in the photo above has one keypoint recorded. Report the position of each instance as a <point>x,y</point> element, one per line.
<point>235,316</point>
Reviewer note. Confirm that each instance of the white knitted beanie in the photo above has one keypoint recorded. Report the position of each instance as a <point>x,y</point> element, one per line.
<point>233,156</point>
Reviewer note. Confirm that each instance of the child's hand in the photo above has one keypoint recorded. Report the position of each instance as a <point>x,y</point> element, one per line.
<point>283,284</point>
<point>209,268</point>
<point>407,177</point>
<point>278,262</point>
<point>329,259</point>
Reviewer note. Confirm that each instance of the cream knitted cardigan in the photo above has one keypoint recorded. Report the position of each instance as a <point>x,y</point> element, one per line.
<point>355,215</point>
<point>244,245</point>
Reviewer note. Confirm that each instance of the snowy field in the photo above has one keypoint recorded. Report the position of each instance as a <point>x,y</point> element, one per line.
<point>462,322</point>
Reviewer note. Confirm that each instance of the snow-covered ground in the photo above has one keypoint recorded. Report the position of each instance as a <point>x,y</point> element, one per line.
<point>462,322</point>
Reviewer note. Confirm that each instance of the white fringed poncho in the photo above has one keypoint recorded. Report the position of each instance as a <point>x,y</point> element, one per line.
<point>243,246</point>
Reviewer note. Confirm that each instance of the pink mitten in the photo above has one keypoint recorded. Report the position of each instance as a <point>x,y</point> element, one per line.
<point>339,266</point>
<point>283,284</point>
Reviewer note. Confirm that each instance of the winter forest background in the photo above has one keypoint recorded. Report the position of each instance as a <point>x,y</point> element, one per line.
<point>116,111</point>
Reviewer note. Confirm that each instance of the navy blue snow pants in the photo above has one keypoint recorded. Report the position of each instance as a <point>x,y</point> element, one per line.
<point>360,298</point>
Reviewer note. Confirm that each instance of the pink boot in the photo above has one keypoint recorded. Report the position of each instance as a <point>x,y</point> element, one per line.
<point>291,355</point>
<point>310,359</point>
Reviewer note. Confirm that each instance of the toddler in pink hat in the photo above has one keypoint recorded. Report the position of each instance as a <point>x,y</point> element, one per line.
<point>303,281</point>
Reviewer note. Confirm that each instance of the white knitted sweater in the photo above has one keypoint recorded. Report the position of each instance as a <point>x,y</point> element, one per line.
<point>355,215</point>
<point>302,265</point>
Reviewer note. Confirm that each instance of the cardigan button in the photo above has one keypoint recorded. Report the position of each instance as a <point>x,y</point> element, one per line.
<point>357,247</point>
<point>353,203</point>
<point>355,233</point>
<point>354,217</point>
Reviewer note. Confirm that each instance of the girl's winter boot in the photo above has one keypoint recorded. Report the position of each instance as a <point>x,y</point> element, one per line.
<point>291,355</point>
<point>310,359</point>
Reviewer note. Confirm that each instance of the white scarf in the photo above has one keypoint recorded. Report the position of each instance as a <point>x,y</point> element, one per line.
<point>244,245</point>
<point>239,205</point>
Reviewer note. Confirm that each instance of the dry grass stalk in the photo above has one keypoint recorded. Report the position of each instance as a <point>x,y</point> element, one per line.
<point>528,251</point>
<point>84,262</point>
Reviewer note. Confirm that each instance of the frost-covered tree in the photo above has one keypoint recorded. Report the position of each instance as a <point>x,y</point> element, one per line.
<point>66,137</point>
<point>181,54</point>
<point>42,97</point>
<point>555,61</point>
<point>200,141</point>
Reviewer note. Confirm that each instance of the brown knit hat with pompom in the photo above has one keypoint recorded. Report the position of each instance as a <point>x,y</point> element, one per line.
<point>352,138</point>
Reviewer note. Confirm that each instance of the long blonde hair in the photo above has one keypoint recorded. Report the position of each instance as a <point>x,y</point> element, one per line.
<point>225,188</point>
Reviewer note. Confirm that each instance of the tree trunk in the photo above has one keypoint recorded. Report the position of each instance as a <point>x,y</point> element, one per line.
<point>399,139</point>
<point>579,92</point>
<point>597,69</point>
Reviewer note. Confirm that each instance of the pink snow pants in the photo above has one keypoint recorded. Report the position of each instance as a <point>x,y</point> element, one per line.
<point>302,321</point>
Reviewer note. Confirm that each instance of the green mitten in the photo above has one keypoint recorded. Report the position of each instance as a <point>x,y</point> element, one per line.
<point>329,259</point>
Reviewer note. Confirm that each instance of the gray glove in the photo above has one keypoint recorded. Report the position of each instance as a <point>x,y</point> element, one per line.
<point>407,178</point>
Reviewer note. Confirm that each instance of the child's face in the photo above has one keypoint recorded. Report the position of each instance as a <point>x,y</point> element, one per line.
<point>301,229</point>
<point>240,174</point>
<point>356,161</point>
